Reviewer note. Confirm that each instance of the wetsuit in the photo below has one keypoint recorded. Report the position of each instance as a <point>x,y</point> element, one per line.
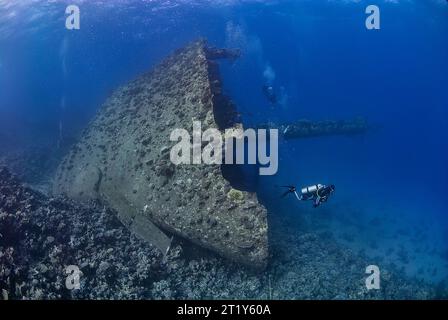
<point>318,194</point>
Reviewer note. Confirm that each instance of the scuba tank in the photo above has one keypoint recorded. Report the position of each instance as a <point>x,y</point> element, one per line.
<point>311,189</point>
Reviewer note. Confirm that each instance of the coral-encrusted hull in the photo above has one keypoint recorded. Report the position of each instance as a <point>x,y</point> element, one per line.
<point>123,160</point>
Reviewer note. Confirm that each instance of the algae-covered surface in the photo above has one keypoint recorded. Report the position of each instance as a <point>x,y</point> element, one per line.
<point>123,159</point>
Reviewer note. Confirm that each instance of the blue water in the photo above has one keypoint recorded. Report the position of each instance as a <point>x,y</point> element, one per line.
<point>323,63</point>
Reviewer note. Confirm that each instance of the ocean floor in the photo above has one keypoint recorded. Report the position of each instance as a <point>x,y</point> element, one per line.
<point>42,235</point>
<point>411,245</point>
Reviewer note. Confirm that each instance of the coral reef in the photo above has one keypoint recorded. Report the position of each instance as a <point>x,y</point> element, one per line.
<point>40,236</point>
<point>34,162</point>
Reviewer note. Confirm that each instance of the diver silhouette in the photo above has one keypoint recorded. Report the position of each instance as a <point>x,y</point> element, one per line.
<point>269,93</point>
<point>318,193</point>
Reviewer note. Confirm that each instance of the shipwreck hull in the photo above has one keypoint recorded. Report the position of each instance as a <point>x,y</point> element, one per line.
<point>122,159</point>
<point>310,129</point>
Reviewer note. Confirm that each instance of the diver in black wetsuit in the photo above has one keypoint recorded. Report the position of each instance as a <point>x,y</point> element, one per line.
<point>291,189</point>
<point>269,93</point>
<point>317,193</point>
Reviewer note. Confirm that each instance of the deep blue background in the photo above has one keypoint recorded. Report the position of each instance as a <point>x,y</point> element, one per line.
<point>329,65</point>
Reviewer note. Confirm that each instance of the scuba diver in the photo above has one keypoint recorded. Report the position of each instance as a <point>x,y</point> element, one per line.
<point>317,193</point>
<point>269,93</point>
